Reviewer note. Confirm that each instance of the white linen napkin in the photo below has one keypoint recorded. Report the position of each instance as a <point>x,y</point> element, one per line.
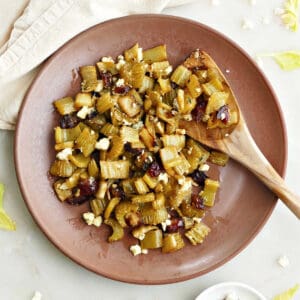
<point>42,29</point>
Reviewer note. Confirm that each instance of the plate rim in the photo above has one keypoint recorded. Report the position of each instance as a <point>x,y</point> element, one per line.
<point>17,158</point>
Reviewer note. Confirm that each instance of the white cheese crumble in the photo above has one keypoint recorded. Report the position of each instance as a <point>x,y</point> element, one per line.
<point>107,59</point>
<point>165,224</point>
<point>203,167</point>
<point>144,251</point>
<point>189,152</point>
<point>187,117</point>
<point>197,220</point>
<point>247,24</point>
<point>102,144</point>
<point>181,181</point>
<point>283,261</point>
<point>120,63</point>
<point>37,296</point>
<point>120,82</point>
<point>97,221</point>
<point>232,296</point>
<point>99,86</point>
<point>84,111</point>
<point>138,125</point>
<point>187,184</point>
<point>215,2</point>
<point>64,154</point>
<point>227,71</point>
<point>135,249</point>
<point>168,70</point>
<point>163,177</point>
<point>88,217</point>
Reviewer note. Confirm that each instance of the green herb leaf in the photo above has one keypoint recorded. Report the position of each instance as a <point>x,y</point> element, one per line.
<point>5,221</point>
<point>288,61</point>
<point>289,294</point>
<point>290,15</point>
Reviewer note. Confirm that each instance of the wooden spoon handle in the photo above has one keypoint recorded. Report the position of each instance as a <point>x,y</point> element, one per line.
<point>244,149</point>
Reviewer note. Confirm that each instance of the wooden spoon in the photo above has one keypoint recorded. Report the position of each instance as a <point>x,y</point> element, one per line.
<point>237,142</point>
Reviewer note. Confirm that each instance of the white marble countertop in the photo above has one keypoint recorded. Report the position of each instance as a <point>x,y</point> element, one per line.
<point>29,262</point>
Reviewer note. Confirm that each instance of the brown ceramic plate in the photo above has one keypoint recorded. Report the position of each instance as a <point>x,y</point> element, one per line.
<point>243,204</point>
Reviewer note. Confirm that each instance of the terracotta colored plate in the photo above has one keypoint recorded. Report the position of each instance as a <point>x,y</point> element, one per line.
<point>243,204</point>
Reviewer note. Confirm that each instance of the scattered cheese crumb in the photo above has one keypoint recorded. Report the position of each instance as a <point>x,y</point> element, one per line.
<point>37,296</point>
<point>141,236</point>
<point>197,220</point>
<point>102,144</point>
<point>107,59</point>
<point>88,218</point>
<point>283,261</point>
<point>190,150</point>
<point>226,134</point>
<point>187,117</point>
<point>203,167</point>
<point>99,86</point>
<point>168,70</point>
<point>247,24</point>
<point>232,296</point>
<point>135,249</point>
<point>120,63</point>
<point>265,20</point>
<point>215,2</point>
<point>84,111</point>
<point>144,251</point>
<point>227,71</point>
<point>120,82</point>
<point>163,177</point>
<point>252,2</point>
<point>140,54</point>
<point>97,221</point>
<point>64,154</point>
<point>165,224</point>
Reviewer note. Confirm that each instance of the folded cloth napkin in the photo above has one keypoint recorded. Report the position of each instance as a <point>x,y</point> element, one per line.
<point>42,29</point>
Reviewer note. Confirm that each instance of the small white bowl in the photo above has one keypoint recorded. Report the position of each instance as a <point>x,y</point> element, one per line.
<point>221,290</point>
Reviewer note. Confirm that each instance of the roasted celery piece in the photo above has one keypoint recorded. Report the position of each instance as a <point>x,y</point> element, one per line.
<point>172,242</point>
<point>62,168</point>
<point>114,169</point>
<point>202,75</point>
<point>159,201</point>
<point>133,74</point>
<point>189,211</point>
<point>79,160</point>
<point>66,135</point>
<point>160,69</point>
<point>61,194</point>
<point>176,140</point>
<point>104,103</point>
<point>134,53</point>
<point>129,106</point>
<point>194,87</point>
<point>214,85</point>
<point>65,105</point>
<point>152,216</point>
<point>111,206</point>
<point>93,169</point>
<point>147,84</point>
<point>123,210</point>
<point>164,112</point>
<point>97,122</point>
<point>64,145</point>
<point>129,134</point>
<point>158,53</point>
<point>89,78</point>
<point>128,186</point>
<point>141,186</point>
<point>169,157</point>
<point>159,127</point>
<point>98,206</point>
<point>86,141</point>
<point>147,139</point>
<point>109,130</point>
<point>181,75</point>
<point>103,186</point>
<point>107,66</point>
<point>83,99</point>
<point>218,158</point>
<point>72,181</point>
<point>165,85</point>
<point>195,154</point>
<point>189,104</point>
<point>181,192</point>
<point>118,231</point>
<point>197,233</point>
<point>143,198</point>
<point>116,149</point>
<point>151,181</point>
<point>209,192</point>
<point>153,239</point>
<point>216,101</point>
<point>183,167</point>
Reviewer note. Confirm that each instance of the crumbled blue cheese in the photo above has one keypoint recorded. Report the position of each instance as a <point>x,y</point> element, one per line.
<point>187,117</point>
<point>120,82</point>
<point>164,225</point>
<point>102,144</point>
<point>99,86</point>
<point>227,71</point>
<point>107,59</point>
<point>37,296</point>
<point>97,221</point>
<point>64,154</point>
<point>187,184</point>
<point>84,111</point>
<point>138,125</point>
<point>247,24</point>
<point>88,217</point>
<point>144,251</point>
<point>168,70</point>
<point>163,177</point>
<point>203,167</point>
<point>232,296</point>
<point>135,249</point>
<point>283,261</point>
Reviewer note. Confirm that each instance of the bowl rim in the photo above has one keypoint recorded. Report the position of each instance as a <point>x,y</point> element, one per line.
<point>18,158</point>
